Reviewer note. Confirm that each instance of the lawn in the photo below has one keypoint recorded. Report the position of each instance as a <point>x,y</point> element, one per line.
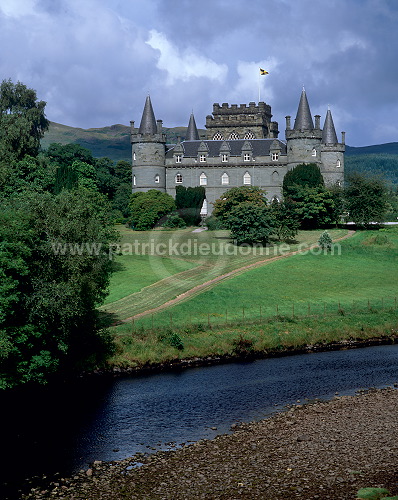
<point>157,266</point>
<point>365,270</point>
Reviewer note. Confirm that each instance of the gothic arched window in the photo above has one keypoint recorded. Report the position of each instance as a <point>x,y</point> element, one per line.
<point>233,136</point>
<point>218,137</point>
<point>157,178</point>
<point>203,179</point>
<point>225,179</point>
<point>249,135</point>
<point>247,180</point>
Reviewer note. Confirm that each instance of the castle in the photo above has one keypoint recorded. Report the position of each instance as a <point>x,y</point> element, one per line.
<point>241,149</point>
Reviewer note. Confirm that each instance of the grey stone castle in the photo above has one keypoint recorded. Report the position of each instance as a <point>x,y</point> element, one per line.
<point>241,149</point>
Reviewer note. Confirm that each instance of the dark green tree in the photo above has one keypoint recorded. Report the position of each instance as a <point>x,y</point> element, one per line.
<point>285,219</point>
<point>314,206</point>
<point>250,223</point>
<point>308,175</point>
<point>22,122</point>
<point>189,202</point>
<point>235,196</point>
<point>55,264</point>
<point>366,199</point>
<point>147,208</point>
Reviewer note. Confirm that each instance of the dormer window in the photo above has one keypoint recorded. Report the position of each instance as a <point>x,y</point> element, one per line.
<point>202,158</point>
<point>178,158</point>
<point>157,179</point>
<point>246,157</point>
<point>274,156</point>
<point>224,157</point>
<point>314,152</point>
<point>203,179</point>
<point>178,179</point>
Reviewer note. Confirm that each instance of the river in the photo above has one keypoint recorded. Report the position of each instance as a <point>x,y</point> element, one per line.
<point>100,418</point>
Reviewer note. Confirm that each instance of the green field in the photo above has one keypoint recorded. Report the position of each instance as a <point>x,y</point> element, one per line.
<point>303,299</point>
<point>144,279</point>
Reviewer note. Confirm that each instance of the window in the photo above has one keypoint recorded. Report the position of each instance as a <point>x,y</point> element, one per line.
<point>247,180</point>
<point>338,164</point>
<point>178,179</point>
<point>134,156</point>
<point>157,179</point>
<point>249,135</point>
<point>246,157</point>
<point>178,158</point>
<point>314,152</point>
<point>203,179</point>
<point>224,157</point>
<point>202,158</point>
<point>225,179</point>
<point>274,156</point>
<point>134,181</point>
<point>203,210</point>
<point>233,136</point>
<point>218,137</point>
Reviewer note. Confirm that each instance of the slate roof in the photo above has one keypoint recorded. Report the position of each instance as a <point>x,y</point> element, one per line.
<point>329,132</point>
<point>148,121</point>
<point>260,147</point>
<point>303,119</point>
<point>192,132</point>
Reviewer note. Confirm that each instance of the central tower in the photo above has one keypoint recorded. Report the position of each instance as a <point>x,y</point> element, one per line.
<point>241,122</point>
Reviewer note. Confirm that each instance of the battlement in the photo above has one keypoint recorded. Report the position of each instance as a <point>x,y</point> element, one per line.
<point>234,109</point>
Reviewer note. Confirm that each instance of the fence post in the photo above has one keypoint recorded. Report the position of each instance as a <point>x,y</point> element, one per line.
<point>309,309</point>
<point>261,314</point>
<point>208,319</point>
<point>243,312</point>
<point>132,326</point>
<point>293,310</point>
<point>368,304</point>
<point>171,320</point>
<point>395,302</point>
<point>226,315</point>
<point>277,309</point>
<point>152,322</point>
<point>324,308</point>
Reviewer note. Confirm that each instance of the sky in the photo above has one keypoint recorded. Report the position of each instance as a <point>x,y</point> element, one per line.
<point>95,61</point>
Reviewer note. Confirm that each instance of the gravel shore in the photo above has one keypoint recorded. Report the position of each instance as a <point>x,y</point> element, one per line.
<point>323,450</point>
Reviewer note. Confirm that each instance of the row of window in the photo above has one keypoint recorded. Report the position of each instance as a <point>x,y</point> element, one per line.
<point>234,136</point>
<point>247,179</point>
<point>225,157</point>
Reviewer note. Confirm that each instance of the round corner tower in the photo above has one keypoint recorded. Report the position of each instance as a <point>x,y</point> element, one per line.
<point>149,152</point>
<point>307,143</point>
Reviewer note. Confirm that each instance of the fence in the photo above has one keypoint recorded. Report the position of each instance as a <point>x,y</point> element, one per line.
<point>264,312</point>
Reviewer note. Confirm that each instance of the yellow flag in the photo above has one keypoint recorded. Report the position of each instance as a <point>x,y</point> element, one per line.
<point>263,72</point>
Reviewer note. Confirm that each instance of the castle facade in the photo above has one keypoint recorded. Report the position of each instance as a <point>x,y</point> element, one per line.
<point>241,149</point>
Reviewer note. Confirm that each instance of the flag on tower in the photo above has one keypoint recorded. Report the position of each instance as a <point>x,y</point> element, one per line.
<point>263,72</point>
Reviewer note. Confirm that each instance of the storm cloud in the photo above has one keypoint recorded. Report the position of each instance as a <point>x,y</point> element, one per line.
<point>94,61</point>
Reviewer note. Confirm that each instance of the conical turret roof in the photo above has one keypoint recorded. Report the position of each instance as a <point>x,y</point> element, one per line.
<point>148,121</point>
<point>303,118</point>
<point>192,131</point>
<point>329,132</point>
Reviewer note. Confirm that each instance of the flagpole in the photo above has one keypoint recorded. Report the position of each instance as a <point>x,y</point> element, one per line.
<point>259,86</point>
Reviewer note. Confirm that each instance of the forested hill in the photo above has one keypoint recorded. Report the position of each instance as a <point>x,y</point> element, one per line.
<point>114,142</point>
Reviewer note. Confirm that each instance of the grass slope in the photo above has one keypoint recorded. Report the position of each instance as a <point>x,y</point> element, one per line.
<point>366,269</point>
<point>159,279</point>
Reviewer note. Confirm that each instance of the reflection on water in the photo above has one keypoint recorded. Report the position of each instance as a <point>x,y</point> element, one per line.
<point>109,419</point>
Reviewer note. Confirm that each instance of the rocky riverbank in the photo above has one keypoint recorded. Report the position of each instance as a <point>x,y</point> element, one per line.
<point>324,450</point>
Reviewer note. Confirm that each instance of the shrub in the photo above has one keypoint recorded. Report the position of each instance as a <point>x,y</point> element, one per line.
<point>174,221</point>
<point>325,241</point>
<point>213,223</point>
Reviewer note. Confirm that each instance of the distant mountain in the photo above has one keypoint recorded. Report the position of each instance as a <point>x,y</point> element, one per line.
<point>114,143</point>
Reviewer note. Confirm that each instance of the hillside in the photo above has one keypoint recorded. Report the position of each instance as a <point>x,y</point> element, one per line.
<point>114,142</point>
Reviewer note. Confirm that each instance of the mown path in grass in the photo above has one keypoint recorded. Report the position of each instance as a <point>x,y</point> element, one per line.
<point>182,281</point>
<point>311,282</point>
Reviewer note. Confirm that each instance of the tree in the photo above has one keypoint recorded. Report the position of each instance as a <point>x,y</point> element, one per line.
<point>22,121</point>
<point>54,266</point>
<point>313,206</point>
<point>147,208</point>
<point>189,202</point>
<point>285,219</point>
<point>250,223</point>
<point>235,196</point>
<point>308,175</point>
<point>366,199</point>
